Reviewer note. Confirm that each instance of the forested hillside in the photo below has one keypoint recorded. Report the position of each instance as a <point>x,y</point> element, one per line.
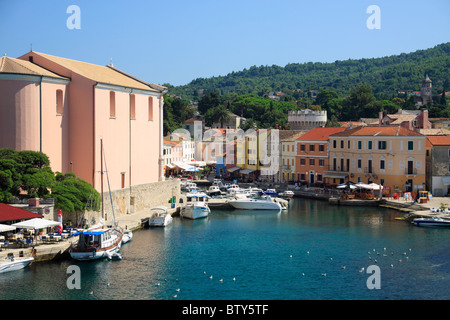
<point>386,76</point>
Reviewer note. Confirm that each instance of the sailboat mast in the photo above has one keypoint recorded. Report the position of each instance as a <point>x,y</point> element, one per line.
<point>101,175</point>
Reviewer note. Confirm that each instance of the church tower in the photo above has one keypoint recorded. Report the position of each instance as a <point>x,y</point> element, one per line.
<point>425,91</point>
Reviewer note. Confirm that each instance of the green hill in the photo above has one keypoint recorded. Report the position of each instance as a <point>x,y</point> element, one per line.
<point>386,75</point>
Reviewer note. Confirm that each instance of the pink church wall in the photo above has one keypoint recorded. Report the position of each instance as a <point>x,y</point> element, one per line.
<point>19,107</point>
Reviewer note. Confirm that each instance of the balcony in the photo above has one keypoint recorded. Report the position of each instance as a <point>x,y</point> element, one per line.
<point>332,168</point>
<point>410,171</point>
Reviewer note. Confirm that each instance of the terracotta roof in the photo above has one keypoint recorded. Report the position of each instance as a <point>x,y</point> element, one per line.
<point>102,74</point>
<point>378,131</point>
<point>291,135</point>
<point>320,134</point>
<point>18,66</point>
<point>10,213</point>
<point>439,140</point>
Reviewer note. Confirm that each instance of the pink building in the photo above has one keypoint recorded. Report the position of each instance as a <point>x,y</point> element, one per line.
<point>64,108</point>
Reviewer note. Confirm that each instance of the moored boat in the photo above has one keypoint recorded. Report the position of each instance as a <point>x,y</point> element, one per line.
<point>127,236</point>
<point>271,192</point>
<point>263,202</point>
<point>160,217</point>
<point>97,244</point>
<point>10,263</point>
<point>431,222</point>
<point>196,206</point>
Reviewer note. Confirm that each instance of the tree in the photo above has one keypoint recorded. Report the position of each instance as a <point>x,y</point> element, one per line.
<point>219,114</point>
<point>209,101</point>
<point>72,193</point>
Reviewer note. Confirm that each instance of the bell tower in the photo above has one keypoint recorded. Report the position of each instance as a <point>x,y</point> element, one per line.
<point>425,91</point>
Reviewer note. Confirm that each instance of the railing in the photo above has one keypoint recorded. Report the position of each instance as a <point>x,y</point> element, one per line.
<point>410,171</point>
<point>336,168</point>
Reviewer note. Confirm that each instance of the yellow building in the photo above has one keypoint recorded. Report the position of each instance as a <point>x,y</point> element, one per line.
<point>392,156</point>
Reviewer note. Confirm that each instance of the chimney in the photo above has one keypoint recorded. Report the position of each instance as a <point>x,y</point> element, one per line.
<point>380,118</point>
<point>425,123</point>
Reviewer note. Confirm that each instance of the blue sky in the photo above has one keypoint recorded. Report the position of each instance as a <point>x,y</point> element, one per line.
<point>178,41</point>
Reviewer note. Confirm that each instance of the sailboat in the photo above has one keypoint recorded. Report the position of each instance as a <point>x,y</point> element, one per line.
<point>99,242</point>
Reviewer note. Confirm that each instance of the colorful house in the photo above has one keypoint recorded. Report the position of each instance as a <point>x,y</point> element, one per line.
<point>392,156</point>
<point>438,165</point>
<point>311,161</point>
<point>65,108</point>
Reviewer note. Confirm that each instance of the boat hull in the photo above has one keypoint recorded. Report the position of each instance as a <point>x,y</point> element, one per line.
<point>16,264</point>
<point>250,204</point>
<point>431,223</point>
<point>160,221</point>
<point>195,212</point>
<point>94,254</point>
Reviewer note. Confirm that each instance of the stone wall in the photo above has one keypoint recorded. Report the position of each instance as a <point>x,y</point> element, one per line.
<point>130,200</point>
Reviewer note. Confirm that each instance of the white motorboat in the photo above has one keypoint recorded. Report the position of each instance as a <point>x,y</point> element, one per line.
<point>263,202</point>
<point>214,191</point>
<point>431,222</point>
<point>127,235</point>
<point>287,194</point>
<point>10,263</point>
<point>97,244</point>
<point>196,206</point>
<point>160,217</point>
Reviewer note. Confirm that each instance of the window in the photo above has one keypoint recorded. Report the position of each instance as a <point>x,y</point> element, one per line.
<point>321,162</point>
<point>302,161</point>
<point>132,107</point>
<point>112,104</point>
<point>342,144</point>
<point>334,143</point>
<point>382,164</point>
<point>322,148</point>
<point>302,147</point>
<point>359,163</point>
<point>410,145</point>
<point>311,147</point>
<point>381,145</point>
<point>302,176</point>
<point>359,145</point>
<point>369,145</point>
<point>348,144</point>
<point>319,177</point>
<point>311,162</point>
<point>59,102</point>
<point>150,109</point>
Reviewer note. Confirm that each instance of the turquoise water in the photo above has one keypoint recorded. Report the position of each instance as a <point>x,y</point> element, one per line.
<point>259,256</point>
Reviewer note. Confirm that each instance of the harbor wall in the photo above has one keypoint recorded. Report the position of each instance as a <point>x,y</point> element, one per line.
<point>129,201</point>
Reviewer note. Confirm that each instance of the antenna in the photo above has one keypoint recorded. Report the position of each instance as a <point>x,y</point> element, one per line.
<point>110,62</point>
<point>31,47</point>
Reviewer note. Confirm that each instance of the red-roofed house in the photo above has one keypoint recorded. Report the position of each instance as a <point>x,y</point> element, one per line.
<point>438,165</point>
<point>392,156</point>
<point>311,160</point>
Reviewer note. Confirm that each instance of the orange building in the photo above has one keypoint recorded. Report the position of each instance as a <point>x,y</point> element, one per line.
<point>311,161</point>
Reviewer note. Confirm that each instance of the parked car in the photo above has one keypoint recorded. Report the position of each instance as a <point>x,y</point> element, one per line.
<point>187,176</point>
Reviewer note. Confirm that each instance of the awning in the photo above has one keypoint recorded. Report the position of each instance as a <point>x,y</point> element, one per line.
<point>36,223</point>
<point>170,166</point>
<point>233,169</point>
<point>335,176</point>
<point>446,180</point>
<point>247,171</point>
<point>6,227</point>
<point>181,165</point>
<point>12,213</point>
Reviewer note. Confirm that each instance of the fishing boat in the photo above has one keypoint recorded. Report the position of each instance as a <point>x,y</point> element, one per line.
<point>196,206</point>
<point>10,263</point>
<point>263,202</point>
<point>99,242</point>
<point>160,217</point>
<point>431,222</point>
